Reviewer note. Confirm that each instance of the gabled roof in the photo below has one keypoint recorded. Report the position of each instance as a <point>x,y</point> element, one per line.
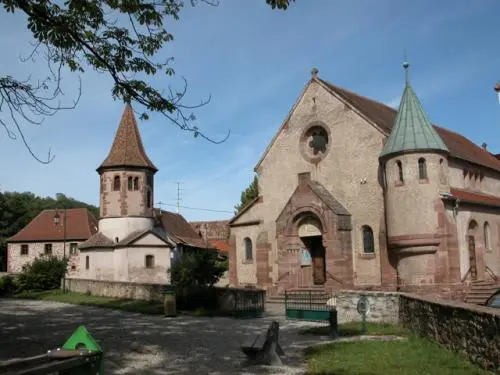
<point>179,230</point>
<point>327,198</point>
<point>97,240</point>
<point>80,225</point>
<point>475,198</point>
<point>244,209</point>
<point>383,117</point>
<point>127,149</point>
<point>412,130</point>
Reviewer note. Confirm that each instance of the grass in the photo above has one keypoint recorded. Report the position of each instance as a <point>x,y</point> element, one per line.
<point>416,356</point>
<point>354,329</point>
<point>136,306</point>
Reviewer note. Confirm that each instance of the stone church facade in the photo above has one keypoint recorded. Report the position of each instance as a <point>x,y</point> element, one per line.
<point>357,195</point>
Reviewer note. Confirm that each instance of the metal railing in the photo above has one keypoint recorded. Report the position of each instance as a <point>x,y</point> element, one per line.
<point>249,303</point>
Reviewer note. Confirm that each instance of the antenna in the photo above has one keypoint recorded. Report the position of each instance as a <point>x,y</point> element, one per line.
<point>497,89</point>
<point>179,199</point>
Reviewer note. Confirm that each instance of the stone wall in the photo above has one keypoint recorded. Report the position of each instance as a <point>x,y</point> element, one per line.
<point>383,306</point>
<point>473,331</point>
<point>116,289</point>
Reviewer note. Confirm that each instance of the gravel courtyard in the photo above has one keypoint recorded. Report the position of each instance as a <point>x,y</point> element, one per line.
<point>145,344</point>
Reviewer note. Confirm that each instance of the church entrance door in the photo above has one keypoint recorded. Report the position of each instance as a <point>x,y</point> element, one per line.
<point>314,245</point>
<point>472,257</point>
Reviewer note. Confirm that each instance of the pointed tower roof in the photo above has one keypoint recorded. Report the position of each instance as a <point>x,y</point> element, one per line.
<point>127,149</point>
<point>412,130</point>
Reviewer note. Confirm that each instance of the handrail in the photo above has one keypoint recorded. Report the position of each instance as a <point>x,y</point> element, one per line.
<point>492,274</point>
<point>466,274</point>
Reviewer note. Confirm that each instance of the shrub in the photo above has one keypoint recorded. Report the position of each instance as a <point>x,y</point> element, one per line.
<point>193,276</point>
<point>44,273</point>
<point>7,286</point>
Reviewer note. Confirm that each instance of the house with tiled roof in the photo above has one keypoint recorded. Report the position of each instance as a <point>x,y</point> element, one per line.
<point>354,194</point>
<point>135,242</point>
<point>52,232</point>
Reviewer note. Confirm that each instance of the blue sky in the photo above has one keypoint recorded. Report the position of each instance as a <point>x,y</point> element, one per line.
<point>254,61</point>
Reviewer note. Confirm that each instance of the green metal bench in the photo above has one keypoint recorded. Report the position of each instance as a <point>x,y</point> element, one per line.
<point>80,355</point>
<point>311,305</point>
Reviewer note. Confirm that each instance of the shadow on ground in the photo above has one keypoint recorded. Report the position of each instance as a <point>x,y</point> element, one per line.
<point>147,344</point>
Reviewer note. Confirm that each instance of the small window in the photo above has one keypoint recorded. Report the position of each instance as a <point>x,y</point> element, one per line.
<point>130,183</point>
<point>486,236</point>
<point>248,249</point>
<point>116,183</point>
<point>400,171</point>
<point>150,261</point>
<point>148,199</point>
<point>422,169</point>
<point>24,249</point>
<point>73,267</point>
<point>368,244</point>
<point>87,262</point>
<point>73,248</point>
<point>136,183</point>
<point>48,249</point>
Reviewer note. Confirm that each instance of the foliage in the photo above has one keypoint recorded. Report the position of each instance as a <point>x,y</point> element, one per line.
<point>193,275</point>
<point>44,273</point>
<point>18,209</point>
<point>7,286</point>
<point>120,38</point>
<point>249,194</point>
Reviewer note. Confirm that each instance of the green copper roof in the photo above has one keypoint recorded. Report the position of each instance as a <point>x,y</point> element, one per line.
<point>412,129</point>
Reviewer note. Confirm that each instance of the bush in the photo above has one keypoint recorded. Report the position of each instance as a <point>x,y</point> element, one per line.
<point>193,277</point>
<point>44,273</point>
<point>7,286</point>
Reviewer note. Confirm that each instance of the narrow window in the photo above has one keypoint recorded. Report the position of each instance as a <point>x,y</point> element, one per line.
<point>150,261</point>
<point>87,262</point>
<point>24,250</point>
<point>129,183</point>
<point>248,249</point>
<point>48,249</point>
<point>116,183</point>
<point>148,199</point>
<point>136,183</point>
<point>72,248</point>
<point>422,169</point>
<point>400,171</point>
<point>368,245</point>
<point>442,172</point>
<point>486,235</point>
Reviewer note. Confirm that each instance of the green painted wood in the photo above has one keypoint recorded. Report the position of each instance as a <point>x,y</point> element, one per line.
<point>312,315</point>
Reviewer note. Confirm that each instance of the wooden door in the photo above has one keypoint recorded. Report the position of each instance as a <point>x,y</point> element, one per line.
<point>472,258</point>
<point>318,261</point>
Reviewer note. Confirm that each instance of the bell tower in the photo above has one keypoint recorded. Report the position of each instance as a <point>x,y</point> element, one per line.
<point>126,183</point>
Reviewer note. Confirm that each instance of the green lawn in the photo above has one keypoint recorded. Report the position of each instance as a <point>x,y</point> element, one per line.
<point>416,356</point>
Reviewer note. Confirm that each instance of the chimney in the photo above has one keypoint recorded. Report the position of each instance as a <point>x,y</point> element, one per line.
<point>484,146</point>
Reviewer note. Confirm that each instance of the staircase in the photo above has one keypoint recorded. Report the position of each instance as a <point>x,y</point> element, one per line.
<point>480,292</point>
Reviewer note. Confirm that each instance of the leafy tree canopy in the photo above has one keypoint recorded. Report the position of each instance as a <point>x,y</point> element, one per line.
<point>249,194</point>
<point>18,209</point>
<point>121,38</point>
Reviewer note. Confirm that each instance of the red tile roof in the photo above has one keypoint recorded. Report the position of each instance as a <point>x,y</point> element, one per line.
<point>80,225</point>
<point>127,149</point>
<point>179,229</point>
<point>384,116</point>
<point>471,197</point>
<point>221,245</point>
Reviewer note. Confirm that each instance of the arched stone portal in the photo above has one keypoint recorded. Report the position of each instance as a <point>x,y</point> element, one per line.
<point>310,233</point>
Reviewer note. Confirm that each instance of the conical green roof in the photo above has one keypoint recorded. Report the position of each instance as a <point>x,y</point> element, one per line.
<point>412,130</point>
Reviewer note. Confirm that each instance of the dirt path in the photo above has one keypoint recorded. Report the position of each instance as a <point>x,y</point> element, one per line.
<point>144,344</point>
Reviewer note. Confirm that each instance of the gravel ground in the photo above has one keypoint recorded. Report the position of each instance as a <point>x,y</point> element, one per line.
<point>147,344</point>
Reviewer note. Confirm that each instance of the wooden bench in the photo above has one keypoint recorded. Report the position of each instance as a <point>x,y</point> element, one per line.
<point>265,349</point>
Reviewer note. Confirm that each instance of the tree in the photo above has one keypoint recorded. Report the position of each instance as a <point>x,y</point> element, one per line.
<point>118,37</point>
<point>249,194</point>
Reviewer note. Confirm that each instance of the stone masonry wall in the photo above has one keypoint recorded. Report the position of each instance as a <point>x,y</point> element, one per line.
<point>383,306</point>
<point>116,289</point>
<point>16,261</point>
<point>473,331</point>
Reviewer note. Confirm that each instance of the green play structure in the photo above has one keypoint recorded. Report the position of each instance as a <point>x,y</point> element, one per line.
<point>80,355</point>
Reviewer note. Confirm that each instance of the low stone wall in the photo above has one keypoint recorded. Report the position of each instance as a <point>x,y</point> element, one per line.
<point>383,306</point>
<point>116,289</point>
<point>473,331</point>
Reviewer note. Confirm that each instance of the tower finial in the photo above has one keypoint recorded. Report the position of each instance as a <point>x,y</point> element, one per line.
<point>314,72</point>
<point>406,65</point>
